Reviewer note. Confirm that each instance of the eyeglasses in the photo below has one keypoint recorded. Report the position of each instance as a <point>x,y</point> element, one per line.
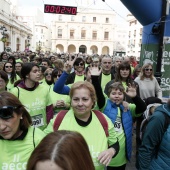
<point>48,74</point>
<point>147,69</point>
<point>79,64</point>
<point>8,66</point>
<point>55,76</point>
<point>6,112</point>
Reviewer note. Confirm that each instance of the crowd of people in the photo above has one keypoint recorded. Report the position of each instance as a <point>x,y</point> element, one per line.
<point>78,111</point>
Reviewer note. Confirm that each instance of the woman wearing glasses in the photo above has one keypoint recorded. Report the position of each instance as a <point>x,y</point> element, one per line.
<point>9,68</point>
<point>17,138</point>
<point>79,70</point>
<point>148,85</point>
<point>48,77</point>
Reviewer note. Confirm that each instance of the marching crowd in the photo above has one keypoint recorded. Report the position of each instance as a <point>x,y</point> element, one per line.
<point>79,112</point>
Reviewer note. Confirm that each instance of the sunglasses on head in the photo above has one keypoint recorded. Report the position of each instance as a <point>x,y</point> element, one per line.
<point>46,74</point>
<point>147,69</point>
<point>79,64</point>
<point>8,66</point>
<point>6,112</point>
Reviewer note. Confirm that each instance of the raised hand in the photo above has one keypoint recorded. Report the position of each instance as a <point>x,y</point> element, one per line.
<point>94,71</point>
<point>131,90</point>
<point>69,64</point>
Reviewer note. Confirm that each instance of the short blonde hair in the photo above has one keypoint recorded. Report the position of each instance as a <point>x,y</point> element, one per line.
<point>86,85</point>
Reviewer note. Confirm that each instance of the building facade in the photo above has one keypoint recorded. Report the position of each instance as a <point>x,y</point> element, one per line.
<point>14,34</point>
<point>134,36</point>
<point>42,37</point>
<point>91,31</point>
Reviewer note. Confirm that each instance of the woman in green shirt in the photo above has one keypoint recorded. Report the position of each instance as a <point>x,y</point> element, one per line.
<point>17,138</point>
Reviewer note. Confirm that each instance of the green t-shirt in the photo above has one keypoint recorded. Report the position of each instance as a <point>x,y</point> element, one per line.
<point>104,80</point>
<point>18,60</point>
<point>35,102</point>
<point>93,133</point>
<point>78,78</point>
<point>55,96</point>
<point>14,154</point>
<point>11,85</point>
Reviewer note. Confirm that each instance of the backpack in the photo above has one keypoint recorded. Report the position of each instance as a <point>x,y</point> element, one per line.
<point>99,115</point>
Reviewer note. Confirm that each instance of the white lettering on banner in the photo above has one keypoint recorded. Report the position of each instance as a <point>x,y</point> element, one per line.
<point>37,120</point>
<point>15,165</point>
<point>165,80</point>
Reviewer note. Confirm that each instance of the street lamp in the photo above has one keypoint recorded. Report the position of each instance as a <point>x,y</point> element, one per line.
<point>4,30</point>
<point>39,46</point>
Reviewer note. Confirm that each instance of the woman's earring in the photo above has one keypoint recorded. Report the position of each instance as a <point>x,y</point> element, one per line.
<point>21,117</point>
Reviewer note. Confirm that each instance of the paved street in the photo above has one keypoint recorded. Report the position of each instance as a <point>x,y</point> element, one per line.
<point>131,165</point>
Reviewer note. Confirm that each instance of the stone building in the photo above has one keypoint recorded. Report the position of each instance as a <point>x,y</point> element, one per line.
<point>14,34</point>
<point>91,31</point>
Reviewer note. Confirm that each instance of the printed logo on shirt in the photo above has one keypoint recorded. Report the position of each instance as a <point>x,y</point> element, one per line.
<point>37,120</point>
<point>35,105</point>
<point>94,155</point>
<point>15,164</point>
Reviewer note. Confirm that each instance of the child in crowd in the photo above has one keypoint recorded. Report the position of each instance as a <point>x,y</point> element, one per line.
<point>121,116</point>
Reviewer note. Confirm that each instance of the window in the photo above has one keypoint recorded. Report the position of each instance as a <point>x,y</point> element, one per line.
<point>106,35</point>
<point>41,30</point>
<point>59,33</point>
<point>72,34</point>
<point>141,31</point>
<point>129,33</point>
<point>133,22</point>
<point>83,34</point>
<point>94,35</point>
<point>83,18</point>
<point>60,17</point>
<point>94,19</point>
<point>134,32</point>
<point>72,18</point>
<point>134,43</point>
<point>107,20</point>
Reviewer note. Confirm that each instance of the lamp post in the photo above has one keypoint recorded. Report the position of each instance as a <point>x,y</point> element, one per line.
<point>39,46</point>
<point>3,39</point>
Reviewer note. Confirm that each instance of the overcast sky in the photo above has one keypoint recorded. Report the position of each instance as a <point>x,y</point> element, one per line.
<point>114,5</point>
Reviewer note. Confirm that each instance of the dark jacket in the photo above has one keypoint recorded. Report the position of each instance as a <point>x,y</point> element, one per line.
<point>154,152</point>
